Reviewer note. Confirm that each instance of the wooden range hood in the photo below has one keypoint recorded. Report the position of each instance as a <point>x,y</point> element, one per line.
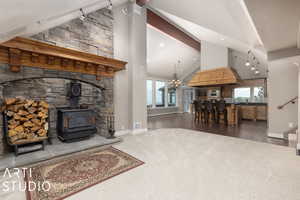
<point>26,52</point>
<point>218,76</point>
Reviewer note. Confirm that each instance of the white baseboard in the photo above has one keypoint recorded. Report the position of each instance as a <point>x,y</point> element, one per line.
<point>139,131</point>
<point>122,132</point>
<point>170,113</point>
<point>276,135</point>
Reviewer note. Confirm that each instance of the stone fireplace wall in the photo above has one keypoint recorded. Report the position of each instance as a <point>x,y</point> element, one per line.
<point>94,35</point>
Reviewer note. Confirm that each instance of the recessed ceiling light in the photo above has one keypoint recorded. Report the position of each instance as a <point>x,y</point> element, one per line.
<point>222,39</point>
<point>161,44</point>
<point>256,72</point>
<point>253,68</point>
<point>247,63</point>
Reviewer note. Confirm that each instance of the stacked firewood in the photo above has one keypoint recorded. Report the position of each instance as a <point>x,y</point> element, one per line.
<point>27,119</point>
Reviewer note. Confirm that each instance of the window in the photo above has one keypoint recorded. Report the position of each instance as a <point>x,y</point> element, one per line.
<point>149,93</point>
<point>171,97</point>
<point>258,94</point>
<point>242,94</point>
<point>160,94</point>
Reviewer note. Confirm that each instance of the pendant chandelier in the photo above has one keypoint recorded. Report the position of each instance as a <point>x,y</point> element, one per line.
<point>175,82</point>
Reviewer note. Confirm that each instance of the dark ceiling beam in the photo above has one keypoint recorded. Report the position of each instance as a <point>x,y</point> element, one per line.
<point>163,25</point>
<point>142,2</point>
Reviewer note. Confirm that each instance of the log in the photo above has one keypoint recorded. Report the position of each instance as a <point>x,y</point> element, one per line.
<point>10,113</point>
<point>28,103</point>
<point>42,115</point>
<point>27,119</point>
<point>10,101</point>
<point>42,132</point>
<point>23,113</point>
<point>16,116</point>
<point>35,128</point>
<point>28,124</point>
<point>36,121</point>
<point>32,110</point>
<point>19,129</point>
<point>44,104</point>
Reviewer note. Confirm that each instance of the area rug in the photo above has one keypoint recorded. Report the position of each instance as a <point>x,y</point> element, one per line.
<point>69,175</point>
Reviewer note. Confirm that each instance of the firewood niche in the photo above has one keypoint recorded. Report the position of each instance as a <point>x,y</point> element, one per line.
<point>26,52</point>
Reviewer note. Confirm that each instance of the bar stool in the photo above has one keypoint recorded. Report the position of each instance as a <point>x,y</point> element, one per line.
<point>197,110</point>
<point>209,111</point>
<point>221,110</point>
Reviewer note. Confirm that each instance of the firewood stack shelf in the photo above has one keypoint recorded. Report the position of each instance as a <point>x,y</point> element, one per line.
<point>26,124</point>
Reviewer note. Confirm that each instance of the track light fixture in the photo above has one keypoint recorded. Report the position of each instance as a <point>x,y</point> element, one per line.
<point>247,64</point>
<point>83,15</point>
<point>252,60</point>
<point>110,5</point>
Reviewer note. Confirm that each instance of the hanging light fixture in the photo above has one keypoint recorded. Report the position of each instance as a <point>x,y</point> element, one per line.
<point>175,83</point>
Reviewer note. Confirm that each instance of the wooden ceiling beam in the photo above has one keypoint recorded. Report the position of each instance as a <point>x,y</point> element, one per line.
<point>142,2</point>
<point>163,25</point>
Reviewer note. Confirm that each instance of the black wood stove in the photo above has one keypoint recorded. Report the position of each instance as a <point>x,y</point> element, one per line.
<point>75,123</point>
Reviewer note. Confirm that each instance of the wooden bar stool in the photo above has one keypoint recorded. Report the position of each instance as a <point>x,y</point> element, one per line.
<point>221,110</point>
<point>209,112</point>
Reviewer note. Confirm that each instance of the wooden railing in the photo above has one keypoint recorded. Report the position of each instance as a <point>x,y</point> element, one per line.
<point>293,100</point>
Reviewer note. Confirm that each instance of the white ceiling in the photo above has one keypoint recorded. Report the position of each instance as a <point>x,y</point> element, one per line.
<point>277,22</point>
<point>225,23</point>
<point>213,20</point>
<point>163,52</point>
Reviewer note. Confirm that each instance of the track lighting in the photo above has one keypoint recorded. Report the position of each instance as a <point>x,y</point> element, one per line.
<point>110,5</point>
<point>83,15</point>
<point>247,63</point>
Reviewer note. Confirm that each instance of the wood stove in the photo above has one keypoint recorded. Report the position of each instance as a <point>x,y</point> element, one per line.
<point>75,124</point>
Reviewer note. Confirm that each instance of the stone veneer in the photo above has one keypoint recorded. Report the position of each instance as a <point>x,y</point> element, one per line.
<point>94,35</point>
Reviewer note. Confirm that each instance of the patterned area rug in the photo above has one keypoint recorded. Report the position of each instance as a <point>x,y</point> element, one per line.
<point>69,175</point>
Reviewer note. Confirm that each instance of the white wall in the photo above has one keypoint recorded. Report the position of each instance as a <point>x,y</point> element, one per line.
<point>121,81</point>
<point>282,86</point>
<point>130,85</point>
<point>213,56</point>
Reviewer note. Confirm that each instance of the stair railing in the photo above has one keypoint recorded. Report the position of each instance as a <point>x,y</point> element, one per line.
<point>293,100</point>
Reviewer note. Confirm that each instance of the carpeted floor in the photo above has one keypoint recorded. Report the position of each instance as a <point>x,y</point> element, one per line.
<point>184,164</point>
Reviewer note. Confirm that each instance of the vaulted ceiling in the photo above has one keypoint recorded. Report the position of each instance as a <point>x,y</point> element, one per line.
<point>277,22</point>
<point>18,17</point>
<point>163,53</point>
<point>224,22</point>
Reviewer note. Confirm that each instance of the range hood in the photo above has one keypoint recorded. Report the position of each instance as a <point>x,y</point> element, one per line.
<point>214,67</point>
<point>212,77</point>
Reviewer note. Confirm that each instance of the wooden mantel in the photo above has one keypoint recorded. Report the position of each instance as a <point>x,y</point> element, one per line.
<point>26,52</point>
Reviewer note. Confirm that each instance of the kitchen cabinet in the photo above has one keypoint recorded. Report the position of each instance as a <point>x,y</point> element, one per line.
<point>253,112</point>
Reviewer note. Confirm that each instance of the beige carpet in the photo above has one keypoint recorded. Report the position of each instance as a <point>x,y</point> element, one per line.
<point>188,165</point>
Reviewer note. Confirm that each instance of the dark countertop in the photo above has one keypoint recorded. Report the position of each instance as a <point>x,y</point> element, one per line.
<point>249,104</point>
